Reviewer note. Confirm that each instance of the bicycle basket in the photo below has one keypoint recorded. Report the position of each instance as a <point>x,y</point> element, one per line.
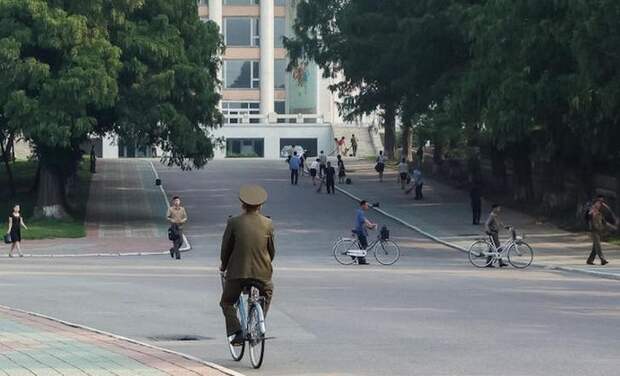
<point>384,234</point>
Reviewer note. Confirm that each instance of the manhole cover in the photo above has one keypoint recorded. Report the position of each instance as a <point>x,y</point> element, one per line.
<point>179,337</point>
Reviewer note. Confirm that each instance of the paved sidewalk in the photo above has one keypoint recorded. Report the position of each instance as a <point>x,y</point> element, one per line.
<point>33,345</point>
<point>445,213</point>
<point>125,214</point>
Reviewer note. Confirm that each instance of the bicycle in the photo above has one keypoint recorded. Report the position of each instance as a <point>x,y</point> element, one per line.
<point>251,316</point>
<point>483,252</point>
<point>386,251</point>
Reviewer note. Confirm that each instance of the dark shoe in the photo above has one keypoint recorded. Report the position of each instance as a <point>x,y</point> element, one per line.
<point>362,261</point>
<point>590,262</point>
<point>503,265</point>
<point>490,266</point>
<point>604,262</point>
<point>237,340</point>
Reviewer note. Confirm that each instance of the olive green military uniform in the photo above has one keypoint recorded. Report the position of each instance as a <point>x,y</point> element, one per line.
<point>247,251</point>
<point>598,228</point>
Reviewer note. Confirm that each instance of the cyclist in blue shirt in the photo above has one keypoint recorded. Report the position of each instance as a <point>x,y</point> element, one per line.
<point>294,163</point>
<point>362,224</point>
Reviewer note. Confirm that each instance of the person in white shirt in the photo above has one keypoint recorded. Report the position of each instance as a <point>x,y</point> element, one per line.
<point>403,172</point>
<point>314,167</point>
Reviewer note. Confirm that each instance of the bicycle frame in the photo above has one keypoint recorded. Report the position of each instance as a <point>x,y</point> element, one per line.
<point>361,252</point>
<point>499,253</point>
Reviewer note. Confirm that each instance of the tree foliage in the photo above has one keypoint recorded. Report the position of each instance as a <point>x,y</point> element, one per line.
<point>146,70</point>
<point>528,82</point>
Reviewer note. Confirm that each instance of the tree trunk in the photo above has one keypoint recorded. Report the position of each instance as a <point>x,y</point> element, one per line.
<point>406,143</point>
<point>50,200</point>
<point>6,159</point>
<point>389,124</point>
<point>524,190</point>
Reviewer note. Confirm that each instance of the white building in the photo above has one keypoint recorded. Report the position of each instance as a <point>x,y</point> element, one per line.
<point>266,109</point>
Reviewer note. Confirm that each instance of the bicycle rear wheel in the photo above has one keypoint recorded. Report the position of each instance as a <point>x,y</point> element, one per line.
<point>387,252</point>
<point>479,254</point>
<point>237,351</point>
<point>256,331</point>
<point>520,255</point>
<point>340,251</point>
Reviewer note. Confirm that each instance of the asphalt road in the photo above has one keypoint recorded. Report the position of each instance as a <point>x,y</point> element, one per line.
<point>430,314</point>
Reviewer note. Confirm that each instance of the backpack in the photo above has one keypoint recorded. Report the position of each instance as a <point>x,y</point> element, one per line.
<point>348,181</point>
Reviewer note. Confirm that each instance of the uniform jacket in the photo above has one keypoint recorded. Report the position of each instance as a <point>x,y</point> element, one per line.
<point>248,247</point>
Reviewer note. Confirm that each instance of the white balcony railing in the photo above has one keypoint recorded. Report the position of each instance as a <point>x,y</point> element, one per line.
<point>264,119</point>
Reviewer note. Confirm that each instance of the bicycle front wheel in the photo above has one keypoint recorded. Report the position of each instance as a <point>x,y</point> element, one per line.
<point>387,252</point>
<point>256,331</point>
<point>237,351</point>
<point>341,249</point>
<point>479,254</point>
<point>520,255</point>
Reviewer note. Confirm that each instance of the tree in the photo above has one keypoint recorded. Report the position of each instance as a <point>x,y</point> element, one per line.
<point>144,70</point>
<point>54,70</point>
<point>350,41</point>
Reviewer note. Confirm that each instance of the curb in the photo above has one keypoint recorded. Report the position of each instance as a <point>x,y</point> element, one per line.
<point>104,254</point>
<point>125,339</point>
<point>591,273</point>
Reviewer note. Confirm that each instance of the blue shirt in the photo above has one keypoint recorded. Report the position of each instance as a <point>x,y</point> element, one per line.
<point>360,222</point>
<point>294,163</point>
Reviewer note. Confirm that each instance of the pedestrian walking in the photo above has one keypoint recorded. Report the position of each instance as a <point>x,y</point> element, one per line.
<point>177,217</point>
<point>294,164</point>
<point>247,253</point>
<point>341,170</point>
<point>16,222</point>
<point>302,162</point>
<point>475,196</point>
<point>322,163</point>
<point>492,226</point>
<point>330,178</point>
<point>418,182</point>
<point>380,165</point>
<point>598,228</point>
<point>314,167</point>
<point>343,146</point>
<point>403,173</point>
<point>362,225</point>
<point>354,145</point>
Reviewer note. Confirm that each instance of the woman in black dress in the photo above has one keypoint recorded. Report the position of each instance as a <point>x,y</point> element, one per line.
<point>16,222</point>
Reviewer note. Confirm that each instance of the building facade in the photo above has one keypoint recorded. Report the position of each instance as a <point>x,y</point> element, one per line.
<point>266,109</point>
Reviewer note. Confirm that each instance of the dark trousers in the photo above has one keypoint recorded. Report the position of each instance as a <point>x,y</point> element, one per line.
<point>363,240</point>
<point>230,296</point>
<point>476,210</point>
<point>331,185</point>
<point>294,176</point>
<point>177,243</point>
<point>354,150</point>
<point>418,191</point>
<point>322,169</point>
<point>596,247</point>
<point>495,238</point>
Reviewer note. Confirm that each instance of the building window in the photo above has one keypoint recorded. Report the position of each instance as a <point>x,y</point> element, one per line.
<point>203,2</point>
<point>255,74</point>
<point>238,109</point>
<point>278,3</point>
<point>245,148</point>
<point>279,28</point>
<point>279,73</point>
<point>240,2</point>
<point>280,107</point>
<point>241,74</point>
<point>241,31</point>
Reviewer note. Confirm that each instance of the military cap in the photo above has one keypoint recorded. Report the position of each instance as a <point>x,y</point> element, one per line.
<point>252,195</point>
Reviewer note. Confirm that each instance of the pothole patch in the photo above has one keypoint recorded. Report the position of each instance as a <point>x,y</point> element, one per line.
<point>179,338</point>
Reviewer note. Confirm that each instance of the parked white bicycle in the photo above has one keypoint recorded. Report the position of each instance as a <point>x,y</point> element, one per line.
<point>483,252</point>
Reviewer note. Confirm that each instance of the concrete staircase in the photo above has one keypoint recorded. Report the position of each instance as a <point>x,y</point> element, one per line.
<point>365,144</point>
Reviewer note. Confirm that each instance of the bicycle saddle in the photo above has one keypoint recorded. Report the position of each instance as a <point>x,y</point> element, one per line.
<point>247,284</point>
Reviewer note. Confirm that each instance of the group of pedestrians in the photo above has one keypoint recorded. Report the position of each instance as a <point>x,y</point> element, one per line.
<point>341,146</point>
<point>320,170</point>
